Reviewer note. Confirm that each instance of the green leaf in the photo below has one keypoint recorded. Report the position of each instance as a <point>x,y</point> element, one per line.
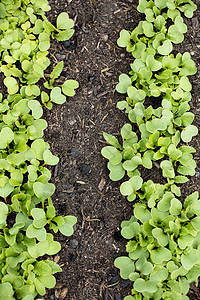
<point>42,268</point>
<point>67,228</point>
<point>135,94</point>
<point>46,281</point>
<point>6,291</point>
<point>141,212</point>
<point>6,190</point>
<point>39,217</point>
<point>124,39</point>
<point>69,87</point>
<point>166,48</point>
<point>64,35</point>
<point>143,4</point>
<point>53,248</point>
<point>112,154</point>
<point>117,172</point>
<point>3,212</point>
<point>36,108</point>
<point>196,223</point>
<point>160,236</point>
<point>140,285</point>
<point>112,140</point>
<point>64,22</point>
<point>188,133</point>
<point>32,90</point>
<point>130,165</point>
<point>153,64</point>
<point>11,84</point>
<point>38,249</point>
<point>155,125</point>
<point>33,232</point>
<point>2,11</point>
<point>54,267</point>
<point>175,35</point>
<point>57,70</point>
<point>56,96</point>
<point>126,266</point>
<point>185,84</point>
<point>148,29</point>
<point>6,137</point>
<point>49,158</point>
<point>128,187</point>
<point>44,41</point>
<point>128,232</point>
<point>43,191</point>
<point>189,260</point>
<point>161,254</point>
<point>124,83</point>
<point>39,147</point>
<point>180,179</point>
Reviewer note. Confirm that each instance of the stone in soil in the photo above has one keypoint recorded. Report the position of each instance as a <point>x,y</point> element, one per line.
<point>74,152</point>
<point>73,243</point>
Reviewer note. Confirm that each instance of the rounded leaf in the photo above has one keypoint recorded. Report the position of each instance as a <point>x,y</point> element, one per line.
<point>12,85</point>
<point>49,158</point>
<point>64,22</point>
<point>67,228</point>
<point>56,96</point>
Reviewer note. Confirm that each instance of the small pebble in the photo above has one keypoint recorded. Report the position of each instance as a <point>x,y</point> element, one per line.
<point>104,37</point>
<point>64,165</point>
<point>118,297</point>
<point>72,121</point>
<point>84,169</point>
<point>101,224</point>
<point>73,243</point>
<point>69,45</point>
<point>60,56</point>
<point>91,78</point>
<point>72,257</point>
<point>74,152</point>
<point>66,44</point>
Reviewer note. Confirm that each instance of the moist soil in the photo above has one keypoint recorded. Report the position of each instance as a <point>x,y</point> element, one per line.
<point>83,187</point>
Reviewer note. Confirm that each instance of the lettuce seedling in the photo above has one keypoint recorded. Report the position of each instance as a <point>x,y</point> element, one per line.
<point>25,188</point>
<point>163,251</point>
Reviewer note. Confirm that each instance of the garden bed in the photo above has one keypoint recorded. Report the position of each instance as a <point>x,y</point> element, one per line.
<point>83,187</point>
<point>75,133</point>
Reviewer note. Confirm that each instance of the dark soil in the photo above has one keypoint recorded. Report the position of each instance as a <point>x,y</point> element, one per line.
<point>83,187</point>
<point>75,134</point>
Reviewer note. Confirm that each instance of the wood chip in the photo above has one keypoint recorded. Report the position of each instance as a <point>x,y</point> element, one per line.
<point>101,184</point>
<point>56,259</point>
<point>63,293</point>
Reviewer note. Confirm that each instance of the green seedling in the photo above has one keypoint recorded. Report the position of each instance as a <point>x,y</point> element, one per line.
<point>25,188</point>
<point>164,234</point>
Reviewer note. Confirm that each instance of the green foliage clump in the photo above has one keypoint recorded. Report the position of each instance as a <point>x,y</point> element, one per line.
<point>27,214</point>
<point>164,233</point>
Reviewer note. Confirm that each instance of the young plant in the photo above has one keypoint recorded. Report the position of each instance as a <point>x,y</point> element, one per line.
<point>27,214</point>
<point>164,233</point>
